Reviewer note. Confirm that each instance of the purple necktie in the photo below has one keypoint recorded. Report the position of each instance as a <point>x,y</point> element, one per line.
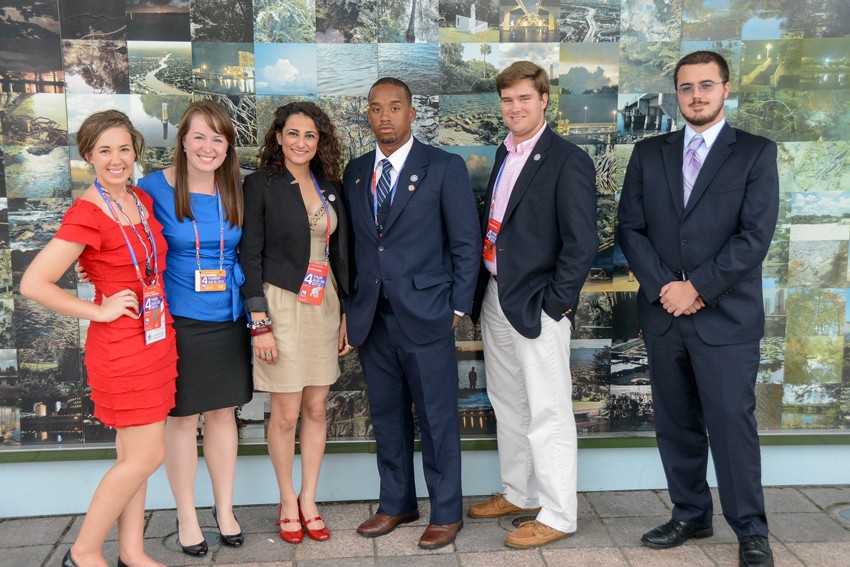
<point>690,169</point>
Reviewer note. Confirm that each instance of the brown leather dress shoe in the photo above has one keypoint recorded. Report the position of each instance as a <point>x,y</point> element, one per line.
<point>437,536</point>
<point>533,534</point>
<point>381,524</point>
<point>496,507</point>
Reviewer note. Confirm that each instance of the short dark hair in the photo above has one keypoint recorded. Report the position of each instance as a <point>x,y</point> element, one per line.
<point>521,70</point>
<point>396,83</point>
<point>700,58</point>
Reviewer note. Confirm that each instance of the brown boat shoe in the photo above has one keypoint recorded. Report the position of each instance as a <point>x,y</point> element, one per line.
<point>533,534</point>
<point>496,507</point>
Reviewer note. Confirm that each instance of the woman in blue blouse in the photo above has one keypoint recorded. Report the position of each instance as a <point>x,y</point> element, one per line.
<point>199,203</point>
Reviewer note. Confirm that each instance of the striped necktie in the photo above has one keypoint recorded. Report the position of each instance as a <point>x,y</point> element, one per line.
<point>383,189</point>
<point>692,165</point>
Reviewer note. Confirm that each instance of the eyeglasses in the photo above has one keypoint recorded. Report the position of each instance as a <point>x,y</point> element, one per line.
<point>703,87</point>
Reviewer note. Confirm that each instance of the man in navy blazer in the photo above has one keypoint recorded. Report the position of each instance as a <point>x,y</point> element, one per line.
<point>539,221</point>
<point>696,218</point>
<point>414,258</point>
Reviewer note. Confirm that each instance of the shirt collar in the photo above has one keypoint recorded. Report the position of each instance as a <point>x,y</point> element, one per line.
<point>525,146</point>
<point>708,136</point>
<point>397,158</point>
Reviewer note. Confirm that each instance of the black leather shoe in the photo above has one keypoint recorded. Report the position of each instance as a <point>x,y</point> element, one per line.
<point>68,561</point>
<point>675,533</point>
<point>754,550</point>
<point>229,540</point>
<point>197,550</point>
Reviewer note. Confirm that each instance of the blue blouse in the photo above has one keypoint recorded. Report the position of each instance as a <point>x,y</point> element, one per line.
<point>179,277</point>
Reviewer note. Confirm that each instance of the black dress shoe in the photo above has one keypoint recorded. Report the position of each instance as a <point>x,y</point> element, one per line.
<point>229,540</point>
<point>197,550</point>
<point>675,533</point>
<point>68,561</point>
<point>754,550</point>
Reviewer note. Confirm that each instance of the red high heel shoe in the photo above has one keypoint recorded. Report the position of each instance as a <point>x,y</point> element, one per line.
<point>322,534</point>
<point>296,536</point>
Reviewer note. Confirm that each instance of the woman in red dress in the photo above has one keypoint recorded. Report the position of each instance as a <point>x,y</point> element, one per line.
<point>131,357</point>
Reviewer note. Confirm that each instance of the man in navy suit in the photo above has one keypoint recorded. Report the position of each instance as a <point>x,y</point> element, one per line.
<point>696,217</point>
<point>415,257</point>
<point>539,221</point>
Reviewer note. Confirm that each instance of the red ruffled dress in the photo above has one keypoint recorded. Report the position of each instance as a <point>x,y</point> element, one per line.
<point>132,383</point>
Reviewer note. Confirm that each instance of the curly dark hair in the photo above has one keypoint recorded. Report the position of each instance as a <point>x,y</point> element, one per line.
<point>326,160</point>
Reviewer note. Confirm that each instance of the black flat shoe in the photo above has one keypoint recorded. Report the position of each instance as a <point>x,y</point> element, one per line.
<point>68,561</point>
<point>675,533</point>
<point>229,540</point>
<point>197,550</point>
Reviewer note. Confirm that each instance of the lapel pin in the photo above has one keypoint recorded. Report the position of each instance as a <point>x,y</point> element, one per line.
<point>536,157</point>
<point>331,197</point>
<point>411,187</point>
<point>356,181</point>
<point>414,178</point>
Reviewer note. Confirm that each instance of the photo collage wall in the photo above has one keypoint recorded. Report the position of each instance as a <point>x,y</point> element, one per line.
<point>610,63</point>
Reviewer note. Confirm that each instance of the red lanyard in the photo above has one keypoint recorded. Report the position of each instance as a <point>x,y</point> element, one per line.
<point>221,235</point>
<point>109,200</point>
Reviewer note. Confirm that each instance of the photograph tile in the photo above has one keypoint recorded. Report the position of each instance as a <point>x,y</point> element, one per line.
<point>464,67</point>
<point>408,21</point>
<point>38,19</point>
<point>155,20</point>
<point>417,64</point>
<point>222,68</point>
<point>160,67</point>
<point>590,21</point>
<point>92,19</point>
<point>96,66</point>
<point>31,66</point>
<point>286,68</point>
<point>523,22</point>
<point>214,20</point>
<point>461,21</point>
<point>284,21</point>
<point>33,120</point>
<point>346,21</point>
<point>651,21</point>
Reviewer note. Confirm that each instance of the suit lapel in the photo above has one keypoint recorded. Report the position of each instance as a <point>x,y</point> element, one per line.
<point>672,156</point>
<point>361,192</point>
<point>720,150</point>
<point>535,160</point>
<point>501,155</point>
<point>409,179</point>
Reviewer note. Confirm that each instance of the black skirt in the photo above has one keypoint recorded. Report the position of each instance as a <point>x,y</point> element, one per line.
<point>214,368</point>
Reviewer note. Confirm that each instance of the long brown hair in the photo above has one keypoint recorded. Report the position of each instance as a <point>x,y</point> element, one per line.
<point>227,174</point>
<point>326,160</point>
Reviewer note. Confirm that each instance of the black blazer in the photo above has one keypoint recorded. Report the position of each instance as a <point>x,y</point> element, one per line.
<point>426,262</point>
<point>275,245</point>
<point>719,240</point>
<point>547,241</point>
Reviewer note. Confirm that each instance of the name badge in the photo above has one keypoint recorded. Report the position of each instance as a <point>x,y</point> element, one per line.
<point>489,250</point>
<point>153,313</point>
<point>313,288</point>
<point>210,280</point>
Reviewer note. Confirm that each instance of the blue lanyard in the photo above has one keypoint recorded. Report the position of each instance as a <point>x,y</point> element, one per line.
<point>109,200</point>
<point>496,186</point>
<point>327,216</point>
<point>220,232</point>
<point>375,193</point>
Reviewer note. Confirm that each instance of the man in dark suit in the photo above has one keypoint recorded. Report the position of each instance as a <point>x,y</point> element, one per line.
<point>539,221</point>
<point>696,217</point>
<point>414,257</point>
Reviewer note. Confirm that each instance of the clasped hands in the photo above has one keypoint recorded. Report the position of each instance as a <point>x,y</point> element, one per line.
<point>680,298</point>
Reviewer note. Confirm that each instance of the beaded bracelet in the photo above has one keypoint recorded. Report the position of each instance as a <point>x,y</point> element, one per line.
<point>261,330</point>
<point>261,323</point>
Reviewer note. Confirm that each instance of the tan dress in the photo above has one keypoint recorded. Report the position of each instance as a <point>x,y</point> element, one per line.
<point>306,335</point>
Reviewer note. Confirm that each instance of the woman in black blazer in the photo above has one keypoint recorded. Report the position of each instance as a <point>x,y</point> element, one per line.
<point>294,255</point>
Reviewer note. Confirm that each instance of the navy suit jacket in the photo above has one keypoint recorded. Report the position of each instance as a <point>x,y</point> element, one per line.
<point>547,241</point>
<point>719,240</point>
<point>427,259</point>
